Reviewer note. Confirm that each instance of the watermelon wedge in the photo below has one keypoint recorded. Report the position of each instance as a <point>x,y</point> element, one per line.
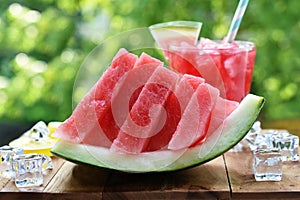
<point>92,119</point>
<point>138,129</point>
<point>143,117</point>
<point>235,127</point>
<point>176,31</point>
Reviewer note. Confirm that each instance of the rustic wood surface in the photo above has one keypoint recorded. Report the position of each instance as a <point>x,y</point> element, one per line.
<point>70,180</point>
<point>243,184</point>
<point>206,181</point>
<point>229,176</point>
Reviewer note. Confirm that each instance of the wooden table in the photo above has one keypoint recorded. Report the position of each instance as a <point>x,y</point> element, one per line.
<point>229,176</point>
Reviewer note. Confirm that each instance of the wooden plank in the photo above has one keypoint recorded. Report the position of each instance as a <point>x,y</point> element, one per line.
<point>244,186</point>
<point>3,182</point>
<point>11,187</point>
<point>78,179</point>
<point>207,181</point>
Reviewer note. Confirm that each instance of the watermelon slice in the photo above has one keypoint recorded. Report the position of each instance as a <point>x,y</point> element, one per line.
<point>142,117</point>
<point>92,122</point>
<point>137,130</point>
<point>194,122</point>
<point>176,31</point>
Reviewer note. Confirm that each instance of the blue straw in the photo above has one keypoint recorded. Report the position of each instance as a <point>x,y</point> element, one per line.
<point>236,21</point>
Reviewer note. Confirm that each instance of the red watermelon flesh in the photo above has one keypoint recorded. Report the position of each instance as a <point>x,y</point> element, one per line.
<point>128,89</point>
<point>147,116</point>
<point>193,81</point>
<point>92,121</point>
<point>128,94</point>
<point>176,102</point>
<point>222,109</point>
<point>194,121</point>
<point>139,106</point>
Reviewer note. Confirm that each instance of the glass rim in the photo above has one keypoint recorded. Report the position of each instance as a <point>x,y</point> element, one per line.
<point>181,24</point>
<point>242,45</point>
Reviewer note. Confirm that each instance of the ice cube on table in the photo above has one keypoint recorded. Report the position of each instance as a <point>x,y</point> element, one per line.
<point>267,164</point>
<point>287,143</point>
<point>281,139</point>
<point>38,132</point>
<point>6,155</point>
<point>263,140</point>
<point>28,170</point>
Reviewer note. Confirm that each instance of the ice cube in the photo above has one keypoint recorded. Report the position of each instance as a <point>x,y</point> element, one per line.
<point>28,170</point>
<point>6,155</point>
<point>267,164</point>
<point>287,143</point>
<point>38,132</point>
<point>263,140</point>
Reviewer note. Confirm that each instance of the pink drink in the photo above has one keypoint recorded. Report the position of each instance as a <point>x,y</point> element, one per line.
<point>228,67</point>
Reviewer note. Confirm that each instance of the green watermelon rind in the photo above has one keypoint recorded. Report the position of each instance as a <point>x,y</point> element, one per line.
<point>235,127</point>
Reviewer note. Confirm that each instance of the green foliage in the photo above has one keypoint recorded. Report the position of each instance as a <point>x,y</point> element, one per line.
<point>43,43</point>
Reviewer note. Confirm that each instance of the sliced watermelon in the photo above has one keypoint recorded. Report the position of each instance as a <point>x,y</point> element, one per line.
<point>234,128</point>
<point>92,121</point>
<point>176,31</point>
<point>146,117</point>
<point>176,102</point>
<point>151,109</point>
<point>194,122</point>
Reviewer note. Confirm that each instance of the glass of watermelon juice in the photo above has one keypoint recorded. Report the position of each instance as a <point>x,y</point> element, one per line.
<point>227,66</point>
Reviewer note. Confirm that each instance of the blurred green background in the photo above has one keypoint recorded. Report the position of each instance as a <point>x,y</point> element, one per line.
<point>44,42</point>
